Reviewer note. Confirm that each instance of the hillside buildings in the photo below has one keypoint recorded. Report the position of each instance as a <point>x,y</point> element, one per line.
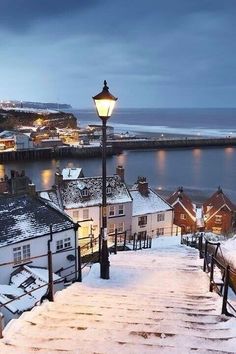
<point>217,214</point>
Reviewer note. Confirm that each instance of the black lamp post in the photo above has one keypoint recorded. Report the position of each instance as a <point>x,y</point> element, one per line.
<point>104,103</point>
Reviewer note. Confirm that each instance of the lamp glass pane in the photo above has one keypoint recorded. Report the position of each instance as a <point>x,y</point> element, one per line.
<point>105,107</point>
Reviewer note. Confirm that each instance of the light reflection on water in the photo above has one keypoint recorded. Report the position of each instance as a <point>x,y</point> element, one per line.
<point>200,169</point>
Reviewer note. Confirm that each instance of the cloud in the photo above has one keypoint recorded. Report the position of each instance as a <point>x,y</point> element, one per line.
<point>20,15</point>
<point>151,51</point>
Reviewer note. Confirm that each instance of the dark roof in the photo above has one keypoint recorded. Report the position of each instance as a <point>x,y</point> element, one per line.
<point>180,197</point>
<point>24,217</point>
<point>217,201</point>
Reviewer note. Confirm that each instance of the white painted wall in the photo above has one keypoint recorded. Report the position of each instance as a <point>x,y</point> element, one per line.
<point>153,225</point>
<point>39,246</point>
<point>22,141</point>
<point>94,214</point>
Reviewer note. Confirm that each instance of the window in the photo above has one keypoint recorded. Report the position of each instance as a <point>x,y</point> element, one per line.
<point>17,254</point>
<point>216,230</point>
<point>121,209</point>
<point>108,190</point>
<point>85,214</point>
<point>62,244</point>
<point>76,214</point>
<point>160,231</point>
<point>218,219</point>
<point>59,245</point>
<point>67,242</point>
<point>84,231</point>
<point>85,192</point>
<point>160,216</point>
<point>111,228</point>
<point>142,220</point>
<point>111,210</point>
<point>21,253</point>
<point>182,216</point>
<point>26,251</point>
<point>120,227</point>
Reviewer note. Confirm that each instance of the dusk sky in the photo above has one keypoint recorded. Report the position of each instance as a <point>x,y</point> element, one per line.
<point>153,53</point>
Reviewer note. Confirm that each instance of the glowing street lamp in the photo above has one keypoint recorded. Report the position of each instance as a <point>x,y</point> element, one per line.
<point>105,103</point>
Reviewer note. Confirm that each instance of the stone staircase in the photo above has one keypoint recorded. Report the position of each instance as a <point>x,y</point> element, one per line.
<point>157,301</point>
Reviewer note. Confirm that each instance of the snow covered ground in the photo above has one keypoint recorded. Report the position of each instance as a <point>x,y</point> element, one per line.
<point>156,301</point>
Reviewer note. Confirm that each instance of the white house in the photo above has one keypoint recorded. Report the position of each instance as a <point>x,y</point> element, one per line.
<point>25,234</point>
<point>81,199</point>
<point>22,141</point>
<point>151,214</point>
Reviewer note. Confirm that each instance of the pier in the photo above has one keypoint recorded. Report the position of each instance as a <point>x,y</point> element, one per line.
<point>115,147</point>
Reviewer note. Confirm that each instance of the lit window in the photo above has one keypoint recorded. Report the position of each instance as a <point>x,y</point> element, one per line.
<point>85,214</point>
<point>217,230</point>
<point>182,216</point>
<point>21,254</point>
<point>160,216</point>
<point>111,210</point>
<point>142,220</point>
<point>121,209</point>
<point>218,219</point>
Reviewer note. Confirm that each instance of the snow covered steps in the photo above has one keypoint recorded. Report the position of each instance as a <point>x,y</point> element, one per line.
<point>157,301</point>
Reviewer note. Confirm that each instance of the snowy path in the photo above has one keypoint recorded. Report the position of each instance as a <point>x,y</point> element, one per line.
<point>157,301</point>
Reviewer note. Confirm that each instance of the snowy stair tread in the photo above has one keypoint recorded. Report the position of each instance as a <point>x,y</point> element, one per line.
<point>165,307</point>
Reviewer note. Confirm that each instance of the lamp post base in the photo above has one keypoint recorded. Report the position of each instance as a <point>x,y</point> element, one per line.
<point>105,264</point>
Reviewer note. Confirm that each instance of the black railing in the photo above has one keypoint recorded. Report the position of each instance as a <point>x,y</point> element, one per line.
<point>85,255</point>
<point>222,276</point>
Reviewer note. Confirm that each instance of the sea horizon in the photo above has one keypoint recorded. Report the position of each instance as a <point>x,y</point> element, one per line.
<point>205,122</point>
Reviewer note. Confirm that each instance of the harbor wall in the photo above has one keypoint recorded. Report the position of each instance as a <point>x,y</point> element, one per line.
<point>113,147</point>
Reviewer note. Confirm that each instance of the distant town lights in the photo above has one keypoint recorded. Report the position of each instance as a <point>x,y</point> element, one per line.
<point>104,102</point>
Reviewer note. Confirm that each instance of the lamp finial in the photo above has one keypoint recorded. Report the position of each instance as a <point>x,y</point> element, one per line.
<point>105,88</point>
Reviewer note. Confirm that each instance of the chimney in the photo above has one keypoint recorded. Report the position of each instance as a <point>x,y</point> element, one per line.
<point>143,186</point>
<point>58,178</point>
<point>120,171</point>
<point>32,189</point>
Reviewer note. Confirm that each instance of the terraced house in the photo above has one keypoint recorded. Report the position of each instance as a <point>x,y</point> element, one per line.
<point>219,213</point>
<point>81,199</point>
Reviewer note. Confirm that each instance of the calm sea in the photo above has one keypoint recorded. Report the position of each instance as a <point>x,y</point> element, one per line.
<point>200,171</point>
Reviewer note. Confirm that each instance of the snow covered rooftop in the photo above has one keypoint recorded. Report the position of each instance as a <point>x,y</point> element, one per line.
<point>156,301</point>
<point>23,280</point>
<point>71,173</point>
<point>24,217</point>
<point>148,204</point>
<point>72,196</point>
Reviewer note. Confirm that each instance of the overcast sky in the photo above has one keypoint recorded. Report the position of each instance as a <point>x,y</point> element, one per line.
<point>153,53</point>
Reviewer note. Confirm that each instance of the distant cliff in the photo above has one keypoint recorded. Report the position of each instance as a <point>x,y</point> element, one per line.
<point>13,118</point>
<point>39,105</point>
